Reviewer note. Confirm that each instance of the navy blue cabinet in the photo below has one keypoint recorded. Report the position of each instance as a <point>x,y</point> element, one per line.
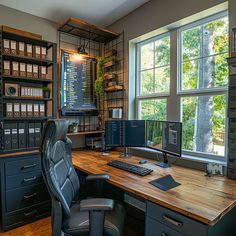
<point>24,196</point>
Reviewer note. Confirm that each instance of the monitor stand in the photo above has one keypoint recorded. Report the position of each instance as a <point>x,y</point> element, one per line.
<point>165,163</point>
<point>125,153</point>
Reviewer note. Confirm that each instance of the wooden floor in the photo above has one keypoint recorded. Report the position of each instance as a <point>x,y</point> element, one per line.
<point>43,228</point>
<point>37,228</point>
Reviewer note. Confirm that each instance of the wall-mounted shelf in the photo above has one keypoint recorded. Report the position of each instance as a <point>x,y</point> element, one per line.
<point>27,98</point>
<point>26,59</point>
<point>88,31</point>
<point>27,118</point>
<point>88,132</point>
<point>7,78</point>
<point>114,88</point>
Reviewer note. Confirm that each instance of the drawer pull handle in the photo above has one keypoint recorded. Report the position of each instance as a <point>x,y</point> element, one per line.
<point>29,179</point>
<point>27,197</point>
<point>31,213</point>
<point>29,166</point>
<point>171,221</point>
<point>164,234</point>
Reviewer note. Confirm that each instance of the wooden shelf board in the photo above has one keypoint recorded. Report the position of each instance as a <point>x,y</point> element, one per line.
<point>114,88</point>
<point>10,153</point>
<point>26,59</point>
<point>26,98</point>
<point>27,118</point>
<point>83,29</point>
<point>27,79</point>
<point>87,132</point>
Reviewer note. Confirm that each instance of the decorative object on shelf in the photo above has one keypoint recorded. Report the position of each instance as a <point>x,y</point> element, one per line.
<point>11,90</point>
<point>74,127</point>
<point>46,92</point>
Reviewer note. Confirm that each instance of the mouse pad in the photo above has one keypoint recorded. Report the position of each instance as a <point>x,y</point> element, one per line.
<point>165,183</point>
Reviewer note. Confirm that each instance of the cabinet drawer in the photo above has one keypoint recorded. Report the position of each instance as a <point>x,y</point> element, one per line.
<point>231,173</point>
<point>18,181</point>
<point>175,220</point>
<point>28,214</point>
<point>22,165</point>
<point>154,228</point>
<point>25,197</point>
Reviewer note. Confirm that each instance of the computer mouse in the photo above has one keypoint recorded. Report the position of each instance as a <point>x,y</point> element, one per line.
<point>142,162</point>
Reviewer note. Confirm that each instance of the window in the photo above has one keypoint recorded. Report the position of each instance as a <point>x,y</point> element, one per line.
<point>154,78</point>
<point>195,91</point>
<point>202,85</point>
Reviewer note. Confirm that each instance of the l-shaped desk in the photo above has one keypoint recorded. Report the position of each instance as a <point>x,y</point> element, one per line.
<point>201,205</point>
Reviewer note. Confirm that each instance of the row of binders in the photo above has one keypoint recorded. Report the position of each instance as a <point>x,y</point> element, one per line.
<point>22,135</point>
<point>25,110</point>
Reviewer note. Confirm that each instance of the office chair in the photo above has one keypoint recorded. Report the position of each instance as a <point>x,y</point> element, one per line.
<point>94,216</point>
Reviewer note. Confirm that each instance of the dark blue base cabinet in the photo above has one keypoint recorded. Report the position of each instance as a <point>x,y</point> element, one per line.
<point>24,196</point>
<point>164,222</point>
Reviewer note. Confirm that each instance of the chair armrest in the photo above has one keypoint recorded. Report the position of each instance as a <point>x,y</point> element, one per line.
<point>97,204</point>
<point>104,177</point>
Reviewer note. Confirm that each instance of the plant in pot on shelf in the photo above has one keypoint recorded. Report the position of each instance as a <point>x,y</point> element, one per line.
<point>46,92</point>
<point>74,127</point>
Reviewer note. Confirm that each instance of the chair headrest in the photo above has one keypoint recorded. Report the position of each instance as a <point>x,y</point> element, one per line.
<point>59,129</point>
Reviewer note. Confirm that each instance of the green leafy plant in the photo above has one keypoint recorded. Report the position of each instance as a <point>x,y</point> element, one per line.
<point>46,89</point>
<point>99,87</point>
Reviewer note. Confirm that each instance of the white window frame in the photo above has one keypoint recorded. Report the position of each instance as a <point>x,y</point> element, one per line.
<point>175,82</point>
<point>138,97</point>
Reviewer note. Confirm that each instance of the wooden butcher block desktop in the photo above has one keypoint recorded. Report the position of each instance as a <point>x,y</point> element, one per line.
<point>203,199</point>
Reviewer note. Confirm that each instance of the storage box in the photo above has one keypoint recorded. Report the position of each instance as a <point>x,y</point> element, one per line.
<point>15,68</point>
<point>35,71</point>
<point>43,52</point>
<point>29,70</point>
<point>21,48</point>
<point>37,51</point>
<point>6,67</point>
<point>29,50</point>
<point>29,110</point>
<point>43,72</point>
<point>16,109</point>
<point>9,110</point>
<point>13,47</point>
<point>22,69</point>
<point>36,110</point>
<point>23,110</point>
<point>6,46</point>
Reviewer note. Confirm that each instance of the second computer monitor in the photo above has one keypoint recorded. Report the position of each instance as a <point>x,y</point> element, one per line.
<point>164,136</point>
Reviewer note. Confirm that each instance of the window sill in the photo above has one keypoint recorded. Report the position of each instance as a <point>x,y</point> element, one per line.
<point>188,160</point>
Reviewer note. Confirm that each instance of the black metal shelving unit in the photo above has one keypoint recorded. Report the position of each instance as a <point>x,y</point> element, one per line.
<point>49,103</point>
<point>98,42</point>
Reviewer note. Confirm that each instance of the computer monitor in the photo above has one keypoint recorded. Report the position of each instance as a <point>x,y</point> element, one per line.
<point>166,137</point>
<point>125,133</point>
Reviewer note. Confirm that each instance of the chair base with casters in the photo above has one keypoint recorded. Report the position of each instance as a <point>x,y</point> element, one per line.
<point>70,215</point>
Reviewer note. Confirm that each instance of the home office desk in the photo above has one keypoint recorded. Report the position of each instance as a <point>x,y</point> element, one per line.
<point>199,206</point>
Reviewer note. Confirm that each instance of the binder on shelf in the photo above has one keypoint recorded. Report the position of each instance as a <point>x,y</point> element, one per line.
<point>21,48</point>
<point>36,109</point>
<point>35,71</point>
<point>22,135</point>
<point>22,69</point>
<point>6,46</point>
<point>9,110</point>
<point>15,68</point>
<point>13,47</point>
<point>29,50</point>
<point>31,135</point>
<point>6,67</point>
<point>29,70</point>
<point>37,51</point>
<point>43,72</point>
<point>7,136</point>
<point>43,52</point>
<point>23,110</point>
<point>29,109</point>
<point>14,136</point>
<point>16,109</point>
<point>41,109</point>
<point>37,134</point>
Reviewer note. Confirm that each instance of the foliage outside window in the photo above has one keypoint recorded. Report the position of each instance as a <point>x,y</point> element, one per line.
<point>203,81</point>
<point>154,78</point>
<point>201,77</point>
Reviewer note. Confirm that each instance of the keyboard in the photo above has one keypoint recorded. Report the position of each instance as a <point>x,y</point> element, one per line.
<point>130,167</point>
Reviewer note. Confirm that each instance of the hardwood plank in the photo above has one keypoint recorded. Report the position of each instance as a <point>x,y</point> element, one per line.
<point>206,199</point>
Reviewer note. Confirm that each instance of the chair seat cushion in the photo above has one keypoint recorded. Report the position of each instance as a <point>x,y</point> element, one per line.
<point>78,223</point>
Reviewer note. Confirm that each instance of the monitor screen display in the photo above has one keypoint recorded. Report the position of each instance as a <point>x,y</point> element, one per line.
<point>77,77</point>
<point>164,136</point>
<point>114,133</point>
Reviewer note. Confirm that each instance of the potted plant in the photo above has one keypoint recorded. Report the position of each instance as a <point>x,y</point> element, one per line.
<point>46,92</point>
<point>74,127</point>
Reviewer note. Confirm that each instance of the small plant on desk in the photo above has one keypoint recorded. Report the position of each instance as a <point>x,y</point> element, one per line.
<point>74,127</point>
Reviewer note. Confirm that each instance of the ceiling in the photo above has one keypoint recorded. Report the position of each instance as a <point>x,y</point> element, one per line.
<point>100,12</point>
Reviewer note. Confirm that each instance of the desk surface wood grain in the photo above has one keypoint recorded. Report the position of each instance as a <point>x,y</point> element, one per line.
<point>206,199</point>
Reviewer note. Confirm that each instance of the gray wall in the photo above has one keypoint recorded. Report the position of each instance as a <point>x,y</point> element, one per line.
<point>27,22</point>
